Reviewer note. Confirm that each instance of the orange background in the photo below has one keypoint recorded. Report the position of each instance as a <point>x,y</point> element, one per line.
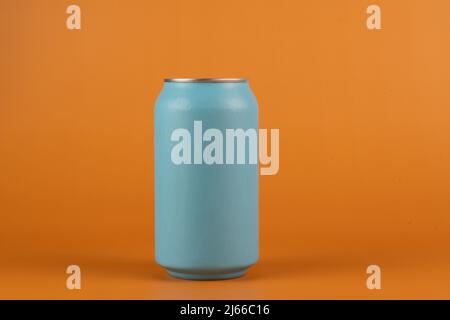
<point>364,120</point>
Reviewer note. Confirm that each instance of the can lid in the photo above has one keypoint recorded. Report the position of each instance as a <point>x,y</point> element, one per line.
<point>205,80</point>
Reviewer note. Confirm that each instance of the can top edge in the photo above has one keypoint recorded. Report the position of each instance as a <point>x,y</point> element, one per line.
<point>206,80</point>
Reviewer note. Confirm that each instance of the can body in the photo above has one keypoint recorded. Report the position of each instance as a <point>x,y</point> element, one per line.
<point>206,203</point>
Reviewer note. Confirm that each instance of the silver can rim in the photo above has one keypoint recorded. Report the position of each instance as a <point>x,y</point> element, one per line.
<point>206,80</point>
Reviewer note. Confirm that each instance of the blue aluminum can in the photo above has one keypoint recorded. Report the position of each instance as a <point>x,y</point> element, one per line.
<point>206,178</point>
